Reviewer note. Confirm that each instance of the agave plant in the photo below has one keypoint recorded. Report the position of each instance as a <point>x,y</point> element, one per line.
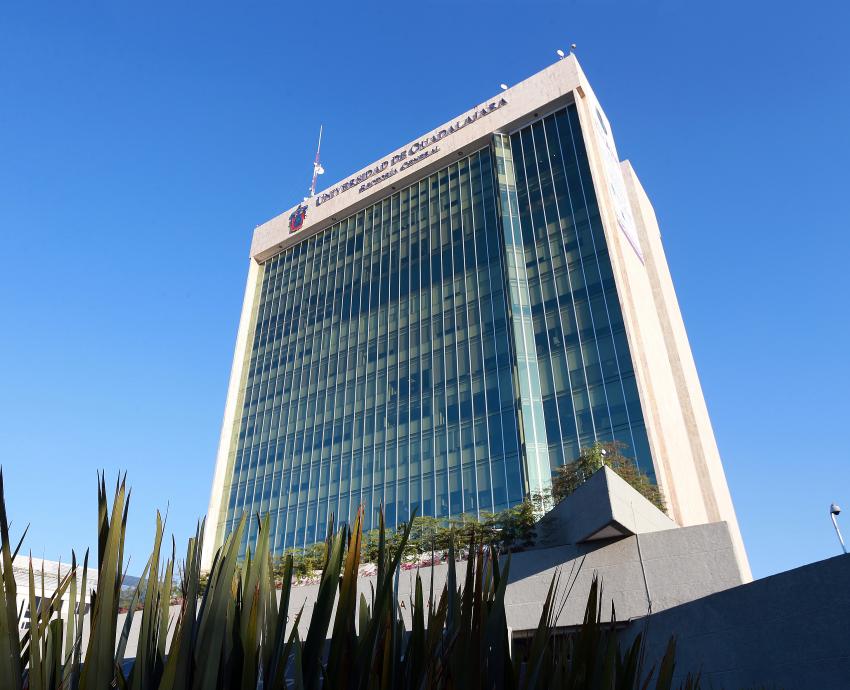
<point>235,632</point>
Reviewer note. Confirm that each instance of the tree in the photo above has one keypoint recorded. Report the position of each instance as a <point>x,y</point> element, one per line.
<point>305,562</point>
<point>572,475</point>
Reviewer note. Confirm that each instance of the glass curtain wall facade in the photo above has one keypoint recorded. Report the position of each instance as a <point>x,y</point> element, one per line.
<point>381,368</point>
<point>587,380</point>
<point>435,349</point>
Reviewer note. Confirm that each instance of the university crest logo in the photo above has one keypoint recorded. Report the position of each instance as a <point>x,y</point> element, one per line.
<point>296,220</point>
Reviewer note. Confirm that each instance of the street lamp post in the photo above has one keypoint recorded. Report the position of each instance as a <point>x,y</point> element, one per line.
<point>834,511</point>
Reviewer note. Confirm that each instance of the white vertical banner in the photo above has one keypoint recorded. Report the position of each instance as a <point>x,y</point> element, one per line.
<point>614,177</point>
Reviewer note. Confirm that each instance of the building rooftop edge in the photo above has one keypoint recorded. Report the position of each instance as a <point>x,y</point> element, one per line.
<point>549,88</point>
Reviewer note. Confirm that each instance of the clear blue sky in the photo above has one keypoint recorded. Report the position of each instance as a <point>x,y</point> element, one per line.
<point>141,143</point>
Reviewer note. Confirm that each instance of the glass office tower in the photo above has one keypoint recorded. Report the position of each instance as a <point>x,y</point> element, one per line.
<point>449,325</point>
<point>444,348</point>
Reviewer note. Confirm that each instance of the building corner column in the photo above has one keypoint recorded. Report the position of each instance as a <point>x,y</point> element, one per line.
<point>214,532</point>
<point>529,402</point>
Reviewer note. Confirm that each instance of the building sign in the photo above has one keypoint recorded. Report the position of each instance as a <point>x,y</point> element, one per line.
<point>407,157</point>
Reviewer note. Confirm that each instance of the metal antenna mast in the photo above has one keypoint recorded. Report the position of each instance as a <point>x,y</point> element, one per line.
<point>317,167</point>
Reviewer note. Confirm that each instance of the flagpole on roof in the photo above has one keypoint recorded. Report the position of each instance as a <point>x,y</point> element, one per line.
<point>317,167</point>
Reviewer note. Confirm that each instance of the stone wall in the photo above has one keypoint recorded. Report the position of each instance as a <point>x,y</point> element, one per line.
<point>790,630</point>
